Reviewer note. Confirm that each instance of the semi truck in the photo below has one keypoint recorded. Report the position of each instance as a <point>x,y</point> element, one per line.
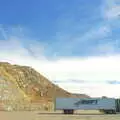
<point>106,105</point>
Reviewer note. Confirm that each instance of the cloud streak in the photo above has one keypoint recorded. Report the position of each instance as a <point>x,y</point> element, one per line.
<point>93,71</point>
<point>99,34</point>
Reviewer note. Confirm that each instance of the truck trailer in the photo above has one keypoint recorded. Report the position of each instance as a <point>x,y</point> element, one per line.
<point>106,105</point>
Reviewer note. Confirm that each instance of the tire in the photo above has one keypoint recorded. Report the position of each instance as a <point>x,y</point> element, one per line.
<point>70,111</point>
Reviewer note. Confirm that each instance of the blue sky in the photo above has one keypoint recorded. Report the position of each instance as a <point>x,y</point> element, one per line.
<point>57,23</point>
<point>66,40</point>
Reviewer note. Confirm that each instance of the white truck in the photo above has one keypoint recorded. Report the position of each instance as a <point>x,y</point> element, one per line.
<point>106,105</point>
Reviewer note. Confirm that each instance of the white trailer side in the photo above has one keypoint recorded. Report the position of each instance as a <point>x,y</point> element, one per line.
<point>106,104</point>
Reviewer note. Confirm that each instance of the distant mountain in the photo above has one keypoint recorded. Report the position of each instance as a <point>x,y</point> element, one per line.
<point>113,82</point>
<point>81,95</point>
<point>22,87</point>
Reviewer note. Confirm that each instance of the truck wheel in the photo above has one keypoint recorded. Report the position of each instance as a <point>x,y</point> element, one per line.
<point>68,111</point>
<point>114,112</point>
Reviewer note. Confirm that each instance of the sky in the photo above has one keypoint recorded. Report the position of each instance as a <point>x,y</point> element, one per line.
<point>73,43</point>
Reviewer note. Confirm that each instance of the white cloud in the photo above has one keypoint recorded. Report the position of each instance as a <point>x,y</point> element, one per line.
<point>108,48</point>
<point>95,90</point>
<point>97,32</point>
<point>111,9</point>
<point>96,39</point>
<point>91,69</point>
<point>113,13</point>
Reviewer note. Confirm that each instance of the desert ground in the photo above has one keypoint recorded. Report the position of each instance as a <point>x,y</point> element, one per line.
<point>38,115</point>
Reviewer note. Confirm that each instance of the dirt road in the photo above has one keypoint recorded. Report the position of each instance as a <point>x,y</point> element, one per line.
<point>54,116</point>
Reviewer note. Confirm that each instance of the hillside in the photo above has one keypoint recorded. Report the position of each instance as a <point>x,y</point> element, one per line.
<point>23,85</point>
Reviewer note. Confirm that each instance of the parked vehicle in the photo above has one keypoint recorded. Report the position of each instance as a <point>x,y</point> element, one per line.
<point>106,105</point>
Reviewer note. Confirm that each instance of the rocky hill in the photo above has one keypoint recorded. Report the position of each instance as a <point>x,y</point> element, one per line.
<point>22,87</point>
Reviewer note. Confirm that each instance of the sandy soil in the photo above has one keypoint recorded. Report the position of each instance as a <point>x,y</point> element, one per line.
<point>55,116</point>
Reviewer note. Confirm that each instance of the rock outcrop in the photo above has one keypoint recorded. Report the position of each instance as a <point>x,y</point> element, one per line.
<point>23,88</point>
